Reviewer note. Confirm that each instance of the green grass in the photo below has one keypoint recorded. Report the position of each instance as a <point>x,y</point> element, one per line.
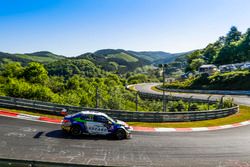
<point>154,88</point>
<point>132,88</point>
<point>235,80</point>
<point>241,116</point>
<point>123,56</point>
<point>32,113</point>
<point>38,58</point>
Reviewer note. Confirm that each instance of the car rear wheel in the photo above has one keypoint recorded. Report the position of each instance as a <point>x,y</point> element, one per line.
<point>76,130</point>
<point>120,134</point>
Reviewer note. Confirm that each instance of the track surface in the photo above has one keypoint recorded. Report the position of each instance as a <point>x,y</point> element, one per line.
<point>239,99</point>
<point>24,139</point>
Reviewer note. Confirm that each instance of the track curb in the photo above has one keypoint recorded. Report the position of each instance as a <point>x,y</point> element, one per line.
<point>134,128</point>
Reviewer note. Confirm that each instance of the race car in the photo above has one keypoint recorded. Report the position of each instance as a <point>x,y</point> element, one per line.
<point>95,123</point>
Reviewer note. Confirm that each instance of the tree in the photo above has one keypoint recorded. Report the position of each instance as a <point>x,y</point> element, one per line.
<point>138,78</point>
<point>35,73</point>
<point>233,35</point>
<point>209,53</point>
<point>244,47</point>
<point>13,69</point>
<point>196,63</point>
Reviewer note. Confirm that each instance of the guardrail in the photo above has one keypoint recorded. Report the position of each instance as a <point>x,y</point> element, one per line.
<point>130,116</point>
<point>222,92</point>
<point>170,97</point>
<point>175,98</point>
<point>6,162</point>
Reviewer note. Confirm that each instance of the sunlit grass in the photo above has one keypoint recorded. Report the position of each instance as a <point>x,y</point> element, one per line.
<point>241,116</point>
<point>32,113</point>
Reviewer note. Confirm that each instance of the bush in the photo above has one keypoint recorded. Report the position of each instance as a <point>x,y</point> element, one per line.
<point>227,102</point>
<point>237,80</point>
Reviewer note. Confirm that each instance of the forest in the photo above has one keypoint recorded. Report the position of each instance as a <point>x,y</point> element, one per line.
<point>71,85</point>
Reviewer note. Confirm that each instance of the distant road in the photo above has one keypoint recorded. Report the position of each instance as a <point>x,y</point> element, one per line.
<point>239,99</point>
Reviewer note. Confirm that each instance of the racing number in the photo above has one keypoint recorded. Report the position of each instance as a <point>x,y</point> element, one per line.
<point>98,126</point>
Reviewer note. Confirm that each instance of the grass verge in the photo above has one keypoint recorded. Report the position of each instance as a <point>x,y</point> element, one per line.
<point>32,113</point>
<point>154,88</point>
<point>132,88</point>
<point>241,116</point>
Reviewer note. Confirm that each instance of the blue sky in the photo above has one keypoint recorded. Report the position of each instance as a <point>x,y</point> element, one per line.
<point>73,27</point>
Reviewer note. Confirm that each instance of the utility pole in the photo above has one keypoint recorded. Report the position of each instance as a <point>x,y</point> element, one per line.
<point>164,93</point>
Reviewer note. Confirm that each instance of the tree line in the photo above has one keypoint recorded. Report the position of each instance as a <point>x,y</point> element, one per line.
<point>232,48</point>
<point>71,82</point>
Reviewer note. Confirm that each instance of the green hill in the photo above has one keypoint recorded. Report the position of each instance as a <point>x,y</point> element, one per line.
<point>155,57</point>
<point>123,56</point>
<point>42,57</point>
<point>115,60</point>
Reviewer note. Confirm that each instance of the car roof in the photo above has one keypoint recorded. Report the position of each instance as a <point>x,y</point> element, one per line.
<point>93,113</point>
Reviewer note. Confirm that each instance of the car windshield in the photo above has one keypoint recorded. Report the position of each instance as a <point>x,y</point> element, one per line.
<point>111,119</point>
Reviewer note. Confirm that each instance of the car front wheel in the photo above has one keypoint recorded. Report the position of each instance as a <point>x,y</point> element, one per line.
<point>75,131</point>
<point>120,134</point>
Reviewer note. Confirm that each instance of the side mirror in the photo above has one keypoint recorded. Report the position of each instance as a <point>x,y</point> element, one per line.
<point>64,112</point>
<point>109,122</point>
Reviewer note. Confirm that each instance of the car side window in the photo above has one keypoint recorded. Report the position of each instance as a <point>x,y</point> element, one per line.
<point>87,117</point>
<point>101,119</point>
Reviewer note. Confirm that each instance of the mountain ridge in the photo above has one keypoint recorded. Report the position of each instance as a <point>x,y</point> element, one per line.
<point>108,59</point>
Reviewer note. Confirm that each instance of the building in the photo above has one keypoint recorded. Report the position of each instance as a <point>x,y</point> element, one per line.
<point>208,69</point>
<point>227,68</point>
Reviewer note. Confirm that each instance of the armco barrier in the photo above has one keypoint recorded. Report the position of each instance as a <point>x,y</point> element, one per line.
<point>174,98</point>
<point>4,162</point>
<point>222,92</point>
<point>169,97</point>
<point>51,108</point>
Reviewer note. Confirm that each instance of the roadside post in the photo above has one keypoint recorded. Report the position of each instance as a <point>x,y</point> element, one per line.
<point>136,102</point>
<point>221,101</point>
<point>189,102</point>
<point>208,103</point>
<point>163,66</point>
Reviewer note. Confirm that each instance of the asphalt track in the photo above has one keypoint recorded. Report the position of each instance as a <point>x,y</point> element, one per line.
<point>23,139</point>
<point>239,99</point>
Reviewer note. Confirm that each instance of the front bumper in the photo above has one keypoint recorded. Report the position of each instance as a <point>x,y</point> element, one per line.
<point>129,136</point>
<point>65,128</point>
<point>128,133</point>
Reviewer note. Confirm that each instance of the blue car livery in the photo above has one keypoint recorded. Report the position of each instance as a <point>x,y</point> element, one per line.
<point>95,123</point>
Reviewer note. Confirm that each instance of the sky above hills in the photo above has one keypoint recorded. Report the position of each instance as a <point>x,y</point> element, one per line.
<point>72,27</point>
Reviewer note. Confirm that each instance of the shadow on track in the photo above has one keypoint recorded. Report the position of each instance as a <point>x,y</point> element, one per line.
<point>63,135</point>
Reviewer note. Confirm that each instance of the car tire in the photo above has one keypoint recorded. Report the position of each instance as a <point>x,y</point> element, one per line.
<point>120,134</point>
<point>75,130</point>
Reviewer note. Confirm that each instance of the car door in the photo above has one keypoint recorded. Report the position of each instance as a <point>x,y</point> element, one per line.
<point>98,125</point>
<point>84,119</point>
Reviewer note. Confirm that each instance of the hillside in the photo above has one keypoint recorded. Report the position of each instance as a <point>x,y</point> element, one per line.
<point>157,57</point>
<point>237,80</point>
<point>115,60</point>
<point>42,57</point>
<point>229,49</point>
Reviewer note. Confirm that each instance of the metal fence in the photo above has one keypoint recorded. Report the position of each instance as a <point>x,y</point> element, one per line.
<point>130,116</point>
<point>174,98</point>
<point>4,162</point>
<point>222,92</point>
